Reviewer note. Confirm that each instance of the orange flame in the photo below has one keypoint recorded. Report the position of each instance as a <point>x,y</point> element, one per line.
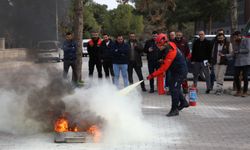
<point>95,131</point>
<point>61,125</point>
<point>75,129</point>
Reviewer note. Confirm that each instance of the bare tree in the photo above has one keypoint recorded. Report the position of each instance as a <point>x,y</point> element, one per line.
<point>234,15</point>
<point>78,30</point>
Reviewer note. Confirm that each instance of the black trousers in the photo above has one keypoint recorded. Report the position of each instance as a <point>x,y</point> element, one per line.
<point>108,68</point>
<point>175,89</point>
<point>152,66</point>
<point>66,65</point>
<point>244,70</point>
<point>92,64</point>
<point>131,66</point>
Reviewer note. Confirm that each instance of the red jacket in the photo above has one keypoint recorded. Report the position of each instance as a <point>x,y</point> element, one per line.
<point>91,42</point>
<point>173,61</point>
<point>167,61</point>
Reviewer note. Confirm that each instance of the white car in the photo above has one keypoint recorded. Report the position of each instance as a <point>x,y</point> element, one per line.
<point>210,37</point>
<point>84,47</point>
<point>49,50</point>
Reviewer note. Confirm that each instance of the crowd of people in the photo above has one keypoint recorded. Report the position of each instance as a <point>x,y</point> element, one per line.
<point>167,55</point>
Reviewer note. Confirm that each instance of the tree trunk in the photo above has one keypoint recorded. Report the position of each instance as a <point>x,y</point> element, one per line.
<point>78,26</point>
<point>234,16</point>
<point>210,25</point>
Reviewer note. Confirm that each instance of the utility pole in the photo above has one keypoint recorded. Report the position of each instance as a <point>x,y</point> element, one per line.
<point>234,15</point>
<point>57,21</point>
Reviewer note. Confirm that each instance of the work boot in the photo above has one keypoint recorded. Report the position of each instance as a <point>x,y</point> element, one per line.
<point>184,105</point>
<point>207,91</point>
<point>218,92</point>
<point>173,112</point>
<point>238,93</point>
<point>144,89</point>
<point>151,91</point>
<point>244,94</point>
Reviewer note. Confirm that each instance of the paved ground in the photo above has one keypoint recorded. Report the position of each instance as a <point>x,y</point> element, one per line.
<point>217,122</point>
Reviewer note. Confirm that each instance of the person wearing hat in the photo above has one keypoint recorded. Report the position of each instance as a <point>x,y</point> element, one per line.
<point>173,61</point>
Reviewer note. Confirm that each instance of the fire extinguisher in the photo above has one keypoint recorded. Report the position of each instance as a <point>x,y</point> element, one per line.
<point>192,96</point>
<point>160,84</point>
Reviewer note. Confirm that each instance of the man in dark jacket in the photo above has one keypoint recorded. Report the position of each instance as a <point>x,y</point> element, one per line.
<point>182,45</point>
<point>201,54</point>
<point>94,52</point>
<point>152,52</point>
<point>214,41</point>
<point>69,60</point>
<point>174,62</point>
<point>120,61</point>
<point>221,52</point>
<point>107,47</point>
<point>135,62</point>
<point>242,62</point>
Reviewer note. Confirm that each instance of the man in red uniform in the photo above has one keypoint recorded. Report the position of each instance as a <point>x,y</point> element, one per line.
<point>173,61</point>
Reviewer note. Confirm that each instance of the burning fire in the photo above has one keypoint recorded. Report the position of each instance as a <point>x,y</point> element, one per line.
<point>95,131</point>
<point>62,125</point>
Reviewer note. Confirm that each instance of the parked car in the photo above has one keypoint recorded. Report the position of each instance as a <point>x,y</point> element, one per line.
<point>49,51</point>
<point>84,47</point>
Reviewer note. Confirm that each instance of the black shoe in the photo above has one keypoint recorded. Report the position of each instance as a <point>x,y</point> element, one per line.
<point>151,91</point>
<point>144,89</point>
<point>173,112</point>
<point>185,105</point>
<point>207,91</point>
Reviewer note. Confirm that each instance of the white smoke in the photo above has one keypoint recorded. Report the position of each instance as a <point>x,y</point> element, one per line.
<point>122,113</point>
<point>26,100</point>
<point>12,114</point>
<point>17,98</point>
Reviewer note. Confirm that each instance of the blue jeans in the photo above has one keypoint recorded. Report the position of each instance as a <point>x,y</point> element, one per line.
<point>124,69</point>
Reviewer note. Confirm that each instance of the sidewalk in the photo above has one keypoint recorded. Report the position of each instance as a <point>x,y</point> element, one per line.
<point>217,122</point>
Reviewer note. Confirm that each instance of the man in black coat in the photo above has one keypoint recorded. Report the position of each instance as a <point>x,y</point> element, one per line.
<point>94,52</point>
<point>201,55</point>
<point>152,52</point>
<point>69,60</point>
<point>107,47</point>
<point>135,62</point>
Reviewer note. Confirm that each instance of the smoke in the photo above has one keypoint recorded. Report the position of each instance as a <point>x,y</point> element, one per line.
<point>31,97</point>
<point>34,96</point>
<point>122,113</point>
